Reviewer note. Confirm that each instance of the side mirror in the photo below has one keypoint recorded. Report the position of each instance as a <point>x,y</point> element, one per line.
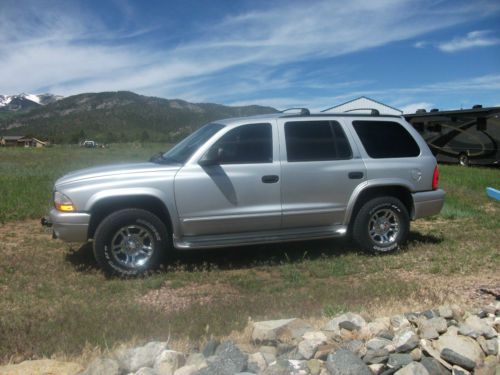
<point>211,158</point>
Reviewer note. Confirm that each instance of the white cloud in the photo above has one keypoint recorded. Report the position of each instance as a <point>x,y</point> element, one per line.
<point>44,48</point>
<point>473,39</point>
<point>420,44</point>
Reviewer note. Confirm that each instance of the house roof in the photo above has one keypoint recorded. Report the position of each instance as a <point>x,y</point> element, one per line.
<point>363,97</point>
<point>12,137</point>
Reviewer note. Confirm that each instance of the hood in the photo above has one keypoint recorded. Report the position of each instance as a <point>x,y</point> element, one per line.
<point>114,170</point>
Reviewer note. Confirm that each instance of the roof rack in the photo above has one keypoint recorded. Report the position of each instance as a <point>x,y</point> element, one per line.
<point>373,111</point>
<point>303,111</point>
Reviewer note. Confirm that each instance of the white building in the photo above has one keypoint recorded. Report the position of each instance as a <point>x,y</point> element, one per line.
<point>364,105</point>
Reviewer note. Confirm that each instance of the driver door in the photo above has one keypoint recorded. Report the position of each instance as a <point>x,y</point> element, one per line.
<point>239,191</point>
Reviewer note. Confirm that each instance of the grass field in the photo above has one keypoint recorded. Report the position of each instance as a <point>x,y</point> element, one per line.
<point>54,300</point>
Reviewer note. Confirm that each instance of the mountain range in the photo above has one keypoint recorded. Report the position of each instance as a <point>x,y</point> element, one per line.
<point>109,117</point>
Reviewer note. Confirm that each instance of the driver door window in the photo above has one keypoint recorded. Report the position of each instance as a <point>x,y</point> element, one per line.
<point>246,144</point>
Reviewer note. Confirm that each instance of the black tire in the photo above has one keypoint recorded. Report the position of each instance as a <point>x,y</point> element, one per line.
<point>365,233</point>
<point>143,236</point>
<point>463,159</point>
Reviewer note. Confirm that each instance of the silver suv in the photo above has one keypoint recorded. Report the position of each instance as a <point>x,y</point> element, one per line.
<point>262,179</point>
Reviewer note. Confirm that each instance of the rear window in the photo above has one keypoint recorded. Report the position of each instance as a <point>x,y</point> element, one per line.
<point>386,139</point>
<point>316,141</point>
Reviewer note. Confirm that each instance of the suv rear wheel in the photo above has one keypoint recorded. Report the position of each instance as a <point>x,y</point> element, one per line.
<point>381,225</point>
<point>130,242</point>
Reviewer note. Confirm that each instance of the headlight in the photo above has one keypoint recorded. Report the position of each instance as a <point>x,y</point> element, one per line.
<point>63,203</point>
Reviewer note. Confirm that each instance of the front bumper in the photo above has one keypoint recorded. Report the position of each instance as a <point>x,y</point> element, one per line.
<point>427,203</point>
<point>68,226</point>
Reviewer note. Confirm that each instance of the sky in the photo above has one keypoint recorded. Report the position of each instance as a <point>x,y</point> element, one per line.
<point>409,54</point>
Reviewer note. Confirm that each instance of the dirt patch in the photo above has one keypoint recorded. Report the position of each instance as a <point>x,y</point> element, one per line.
<point>168,299</point>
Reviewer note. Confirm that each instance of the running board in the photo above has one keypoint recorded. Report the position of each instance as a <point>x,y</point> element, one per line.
<point>228,240</point>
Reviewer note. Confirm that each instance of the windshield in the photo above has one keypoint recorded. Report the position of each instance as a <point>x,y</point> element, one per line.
<point>183,150</point>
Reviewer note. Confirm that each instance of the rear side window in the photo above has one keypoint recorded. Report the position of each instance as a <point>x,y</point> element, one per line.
<point>386,139</point>
<point>316,141</point>
<point>246,144</point>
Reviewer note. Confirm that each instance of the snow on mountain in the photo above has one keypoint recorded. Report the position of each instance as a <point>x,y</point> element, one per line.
<point>20,101</point>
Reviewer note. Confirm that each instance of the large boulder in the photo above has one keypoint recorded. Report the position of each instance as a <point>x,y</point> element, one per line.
<point>405,340</point>
<point>103,366</point>
<point>282,330</point>
<point>344,362</point>
<point>414,368</point>
<point>228,360</point>
<point>463,346</point>
<point>42,366</point>
<point>168,361</point>
<point>475,327</point>
<point>131,360</point>
<point>347,320</point>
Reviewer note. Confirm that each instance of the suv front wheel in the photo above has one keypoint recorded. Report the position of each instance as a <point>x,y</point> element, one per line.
<point>130,242</point>
<point>381,225</point>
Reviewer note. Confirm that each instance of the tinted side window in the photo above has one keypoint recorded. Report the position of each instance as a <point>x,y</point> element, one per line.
<point>246,144</point>
<point>386,139</point>
<point>316,141</point>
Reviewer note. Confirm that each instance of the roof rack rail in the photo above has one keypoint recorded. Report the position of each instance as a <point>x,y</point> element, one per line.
<point>303,111</point>
<point>373,111</point>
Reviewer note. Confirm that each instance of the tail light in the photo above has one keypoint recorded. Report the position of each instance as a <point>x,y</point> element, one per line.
<point>435,178</point>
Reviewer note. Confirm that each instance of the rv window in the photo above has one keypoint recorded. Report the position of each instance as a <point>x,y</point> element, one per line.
<point>481,124</point>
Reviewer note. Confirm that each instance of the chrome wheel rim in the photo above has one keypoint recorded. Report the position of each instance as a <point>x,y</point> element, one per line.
<point>384,227</point>
<point>463,160</point>
<point>132,246</point>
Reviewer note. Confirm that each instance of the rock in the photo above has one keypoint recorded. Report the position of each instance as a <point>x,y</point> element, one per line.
<point>228,360</point>
<point>399,322</point>
<point>284,348</point>
<point>427,347</point>
<point>378,325</point>
<point>186,370</point>
<point>315,335</point>
<point>355,319</point>
<point>168,361</point>
<point>146,371</point>
<point>457,359</point>
<point>355,346</point>
<point>398,360</point>
<point>210,347</point>
<point>431,328</point>
<point>283,330</point>
<point>416,354</point>
<point>376,368</point>
<point>414,368</point>
<point>376,356</point>
<point>307,348</point>
<point>387,334</point>
<point>197,360</point>
<point>268,350</point>
<point>285,367</point>
<point>445,311</point>
<point>131,360</point>
<point>344,362</point>
<point>102,366</point>
<point>405,340</point>
<point>457,370</point>
<point>489,367</point>
<point>458,312</point>
<point>475,327</point>
<point>42,366</point>
<point>430,314</point>
<point>314,366</point>
<point>350,326</point>
<point>256,363</point>
<point>323,350</point>
<point>377,343</point>
<point>433,367</point>
<point>490,347</point>
<point>461,345</point>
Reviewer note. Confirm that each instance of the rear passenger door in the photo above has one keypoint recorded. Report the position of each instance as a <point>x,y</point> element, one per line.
<point>321,166</point>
